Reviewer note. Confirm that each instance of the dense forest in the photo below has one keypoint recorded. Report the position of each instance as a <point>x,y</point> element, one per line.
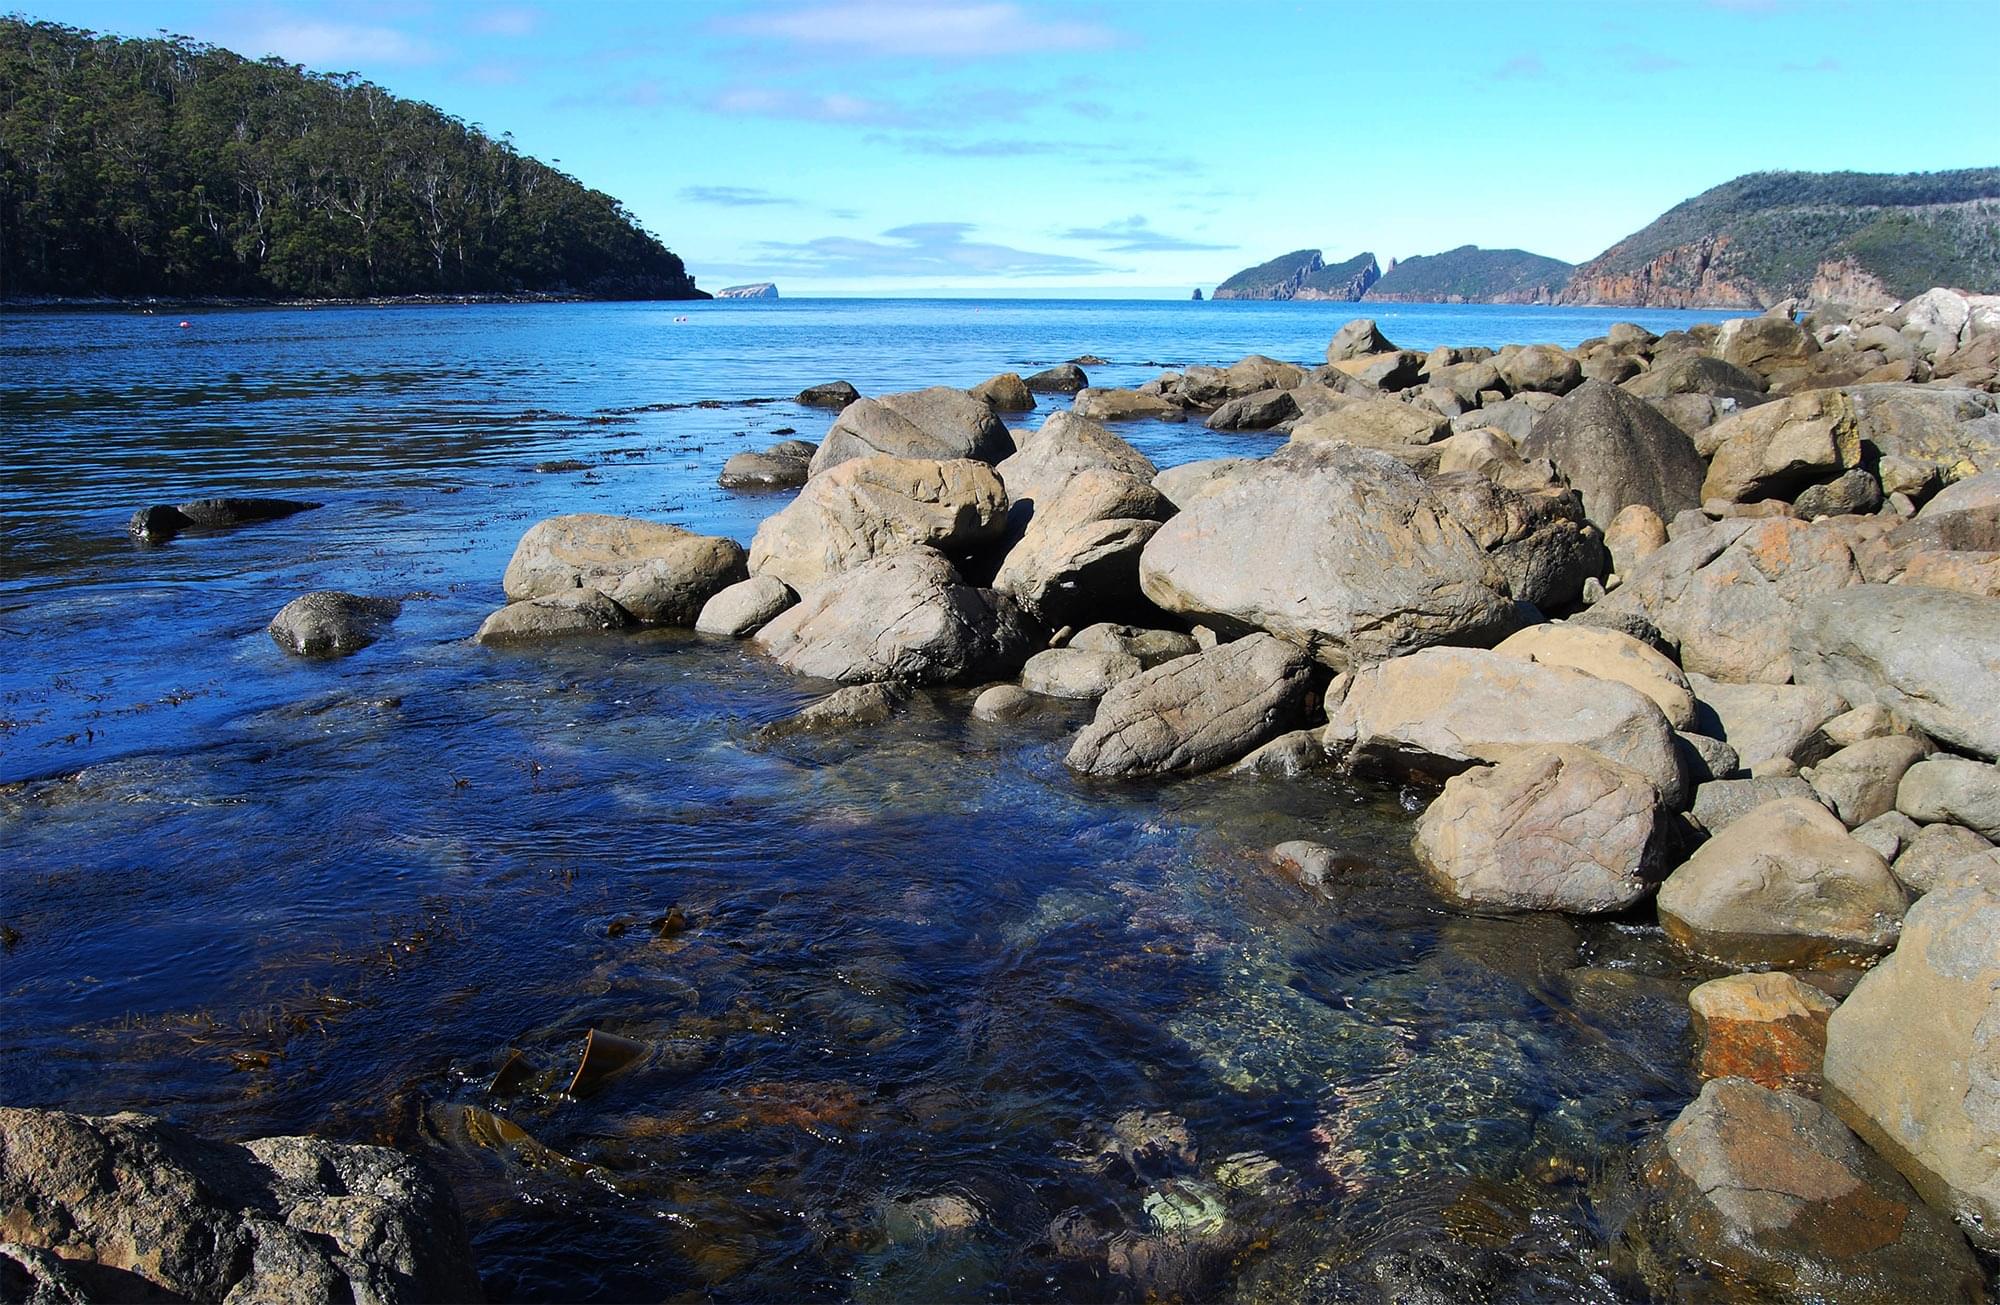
<point>170,168</point>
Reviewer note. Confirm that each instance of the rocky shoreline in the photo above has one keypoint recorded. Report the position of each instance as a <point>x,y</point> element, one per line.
<point>1699,629</point>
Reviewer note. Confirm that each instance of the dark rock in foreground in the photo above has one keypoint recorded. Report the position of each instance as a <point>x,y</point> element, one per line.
<point>164,521</point>
<point>137,1209</point>
<point>329,623</point>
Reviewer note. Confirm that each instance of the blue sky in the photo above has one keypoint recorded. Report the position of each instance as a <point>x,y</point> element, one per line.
<point>1011,147</point>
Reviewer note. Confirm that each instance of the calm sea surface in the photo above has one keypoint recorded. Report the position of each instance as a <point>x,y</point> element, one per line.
<point>931,1019</point>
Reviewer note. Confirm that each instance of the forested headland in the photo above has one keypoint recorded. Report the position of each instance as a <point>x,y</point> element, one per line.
<point>142,168</point>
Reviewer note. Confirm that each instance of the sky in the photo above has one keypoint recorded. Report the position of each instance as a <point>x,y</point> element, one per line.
<point>1006,147</point>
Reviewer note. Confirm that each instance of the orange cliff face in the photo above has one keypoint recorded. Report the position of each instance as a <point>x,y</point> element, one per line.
<point>1683,277</point>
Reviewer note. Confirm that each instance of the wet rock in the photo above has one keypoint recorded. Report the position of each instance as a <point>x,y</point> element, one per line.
<point>1769,1028</point>
<point>1368,563</point>
<point>658,573</point>
<point>1546,829</point>
<point>926,1218</point>
<point>1079,555</point>
<point>1784,886</point>
<point>745,607</point>
<point>854,707</point>
<point>833,394</point>
<point>1617,451</point>
<point>164,521</point>
<point>1077,673</point>
<point>782,466</point>
<point>1936,854</point>
<point>1773,1192</point>
<point>559,466</point>
<point>1721,803</point>
<point>1859,781</point>
<point>328,623</point>
<point>1065,445</point>
<point>907,617</point>
<point>1151,647</point>
<point>1764,722</point>
<point>1314,865</point>
<point>138,1209</point>
<point>1924,1090</point>
<point>1928,655</point>
<point>1441,711</point>
<point>572,611</point>
<point>1006,392</point>
<point>870,507</point>
<point>1122,405</point>
<point>1196,713</point>
<point>1063,378</point>
<point>1609,655</point>
<point>1002,702</point>
<point>1952,790</point>
<point>938,424</point>
<point>1290,755</point>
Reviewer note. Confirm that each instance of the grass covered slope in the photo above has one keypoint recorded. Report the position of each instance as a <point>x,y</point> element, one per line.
<point>164,167</point>
<point>1771,235</point>
<point>1472,275</point>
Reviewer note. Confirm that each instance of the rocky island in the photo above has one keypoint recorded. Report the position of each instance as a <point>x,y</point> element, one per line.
<point>755,290</point>
<point>1303,274</point>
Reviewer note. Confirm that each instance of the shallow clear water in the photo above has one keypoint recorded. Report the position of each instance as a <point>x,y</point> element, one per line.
<point>260,895</point>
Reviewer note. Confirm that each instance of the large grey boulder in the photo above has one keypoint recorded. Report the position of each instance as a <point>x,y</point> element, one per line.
<point>1081,674</point>
<point>1765,722</point>
<point>1728,594</point>
<point>1337,548</point>
<point>1122,405</point>
<point>1079,554</point>
<point>906,617</point>
<point>566,612</point>
<point>1616,451</point>
<point>1538,538</point>
<point>1768,1192</point>
<point>1958,429</point>
<point>135,1208</point>
<point>1197,713</point>
<point>1260,410</point>
<point>1539,367</point>
<point>1443,710</point>
<point>1720,803</point>
<point>1981,491</point>
<point>1694,373</point>
<point>872,506</point>
<point>1951,790</point>
<point>1609,655</point>
<point>1777,449</point>
<point>940,424</point>
<point>1547,829</point>
<point>1065,445</point>
<point>1786,887</point>
<point>1767,345</point>
<point>1360,338</point>
<point>1913,1054</point>
<point>1189,481</point>
<point>1935,855</point>
<point>1859,782</point>
<point>328,623</point>
<point>1929,655</point>
<point>745,607</point>
<point>657,572</point>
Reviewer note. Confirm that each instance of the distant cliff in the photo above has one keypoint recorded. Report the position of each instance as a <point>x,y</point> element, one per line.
<point>166,168</point>
<point>756,290</point>
<point>1471,275</point>
<point>1303,274</point>
<point>1868,238</point>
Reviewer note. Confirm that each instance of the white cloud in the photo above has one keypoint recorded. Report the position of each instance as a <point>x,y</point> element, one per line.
<point>923,249</point>
<point>898,28</point>
<point>338,45</point>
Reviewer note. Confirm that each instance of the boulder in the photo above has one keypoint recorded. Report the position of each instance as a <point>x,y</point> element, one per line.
<point>571,611</point>
<point>1290,755</point>
<point>1080,674</point>
<point>1609,655</point>
<point>1384,371</point>
<point>1851,493</point>
<point>1764,722</point>
<point>1634,535</point>
<point>1951,790</point>
<point>1514,418</point>
<point>745,607</point>
<point>137,1209</point>
<point>328,623</point>
<point>1777,449</point>
<point>1066,444</point>
<point>939,424</point>
<point>1314,866</point>
<point>1184,484</point>
<point>1546,829</point>
<point>1360,338</point>
<point>1257,373</point>
<point>1260,410</point>
<point>163,521</point>
<point>1079,554</point>
<point>906,617</point>
<point>1492,454</point>
<point>1438,712</point>
<point>1966,573</point>
<point>1122,405</point>
<point>1539,539</point>
<point>1705,759</point>
<point>1957,429</point>
<point>1768,346</point>
<point>1467,380</point>
<point>784,465</point>
<point>1981,491</point>
<point>1002,702</point>
<point>1693,373</point>
<point>833,394</point>
<point>1379,424</point>
<point>1859,781</point>
<point>1006,392</point>
<point>1768,1193</point>
<point>1063,378</point>
<point>1730,593</point>
<point>1720,803</point>
<point>1928,655</point>
<point>659,573</point>
<point>1540,367</point>
<point>1151,647</point>
<point>1196,713</point>
<point>1338,548</point>
<point>1769,1028</point>
<point>1913,1055</point>
<point>1936,854</point>
<point>1887,835</point>
<point>854,707</point>
<point>1785,886</point>
<point>874,506</point>
<point>1617,451</point>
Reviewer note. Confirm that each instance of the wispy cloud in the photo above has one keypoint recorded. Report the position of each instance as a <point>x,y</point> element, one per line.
<point>735,196</point>
<point>1135,235</point>
<point>804,106</point>
<point>921,249</point>
<point>331,45</point>
<point>916,29</point>
<point>1522,67</point>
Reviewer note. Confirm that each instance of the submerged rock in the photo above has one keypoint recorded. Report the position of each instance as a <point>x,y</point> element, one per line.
<point>572,611</point>
<point>853,707</point>
<point>164,521</point>
<point>1769,1028</point>
<point>782,466</point>
<point>137,1209</point>
<point>832,394</point>
<point>328,623</point>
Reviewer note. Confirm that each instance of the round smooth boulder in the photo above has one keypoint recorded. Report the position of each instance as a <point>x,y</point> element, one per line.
<point>1951,790</point>
<point>1616,451</point>
<point>659,573</point>
<point>939,424</point>
<point>1065,445</point>
<point>572,611</point>
<point>873,506</point>
<point>745,607</point>
<point>1928,655</point>
<point>1077,673</point>
<point>328,623</point>
<point>1609,655</point>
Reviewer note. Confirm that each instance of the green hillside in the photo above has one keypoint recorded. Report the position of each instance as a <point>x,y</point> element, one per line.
<point>164,167</point>
<point>1342,280</point>
<point>1473,275</point>
<point>1266,279</point>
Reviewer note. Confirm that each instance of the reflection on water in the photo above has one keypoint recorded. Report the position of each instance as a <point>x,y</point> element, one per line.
<point>917,1015</point>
